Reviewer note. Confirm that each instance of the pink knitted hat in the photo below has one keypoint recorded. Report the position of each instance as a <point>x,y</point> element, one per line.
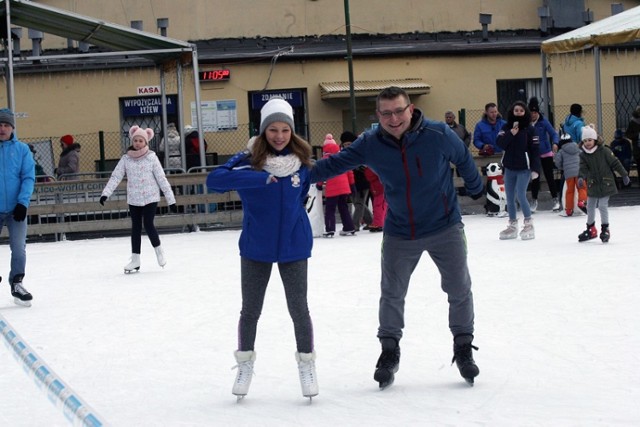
<point>146,134</point>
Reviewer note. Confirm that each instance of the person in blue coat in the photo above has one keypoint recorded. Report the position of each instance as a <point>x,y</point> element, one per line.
<point>486,131</point>
<point>17,178</point>
<point>548,145</point>
<point>272,177</point>
<point>412,156</point>
<point>574,122</point>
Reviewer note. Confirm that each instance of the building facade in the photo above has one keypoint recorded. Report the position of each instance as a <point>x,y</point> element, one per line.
<point>249,51</point>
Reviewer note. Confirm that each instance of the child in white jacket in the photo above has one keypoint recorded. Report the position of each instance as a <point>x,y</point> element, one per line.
<point>145,179</point>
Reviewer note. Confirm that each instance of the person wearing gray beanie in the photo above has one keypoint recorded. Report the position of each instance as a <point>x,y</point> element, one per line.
<point>17,178</point>
<point>272,178</point>
<point>276,110</point>
<point>7,116</point>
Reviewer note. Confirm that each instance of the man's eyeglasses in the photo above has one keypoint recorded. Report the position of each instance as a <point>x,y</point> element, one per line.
<point>398,112</point>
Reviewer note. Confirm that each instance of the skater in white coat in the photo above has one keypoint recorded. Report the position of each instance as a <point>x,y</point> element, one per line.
<point>145,179</point>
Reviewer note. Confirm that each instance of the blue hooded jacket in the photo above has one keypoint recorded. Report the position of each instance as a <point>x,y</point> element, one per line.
<point>415,172</point>
<point>18,174</point>
<point>573,126</point>
<point>275,223</point>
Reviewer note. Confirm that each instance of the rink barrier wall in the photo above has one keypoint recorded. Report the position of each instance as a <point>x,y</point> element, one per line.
<point>73,407</point>
<point>72,206</point>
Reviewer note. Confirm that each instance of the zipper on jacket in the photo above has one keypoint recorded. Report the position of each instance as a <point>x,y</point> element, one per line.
<point>419,166</point>
<point>405,166</point>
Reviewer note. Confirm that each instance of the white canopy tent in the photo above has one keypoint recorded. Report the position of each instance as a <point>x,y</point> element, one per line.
<point>614,30</point>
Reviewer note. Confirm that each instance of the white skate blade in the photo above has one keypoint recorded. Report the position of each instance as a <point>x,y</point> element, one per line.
<point>135,270</point>
<point>18,301</point>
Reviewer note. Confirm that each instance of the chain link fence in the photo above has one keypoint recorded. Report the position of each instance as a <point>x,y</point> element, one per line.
<point>100,151</point>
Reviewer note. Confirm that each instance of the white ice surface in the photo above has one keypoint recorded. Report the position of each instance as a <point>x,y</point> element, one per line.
<point>556,323</point>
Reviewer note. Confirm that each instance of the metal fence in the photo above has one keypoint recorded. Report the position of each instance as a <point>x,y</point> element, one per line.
<point>100,151</point>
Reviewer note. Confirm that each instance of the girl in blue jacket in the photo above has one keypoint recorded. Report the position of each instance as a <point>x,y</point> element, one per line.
<point>272,179</point>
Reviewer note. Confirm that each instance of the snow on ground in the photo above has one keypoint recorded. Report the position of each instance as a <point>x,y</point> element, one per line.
<point>556,323</point>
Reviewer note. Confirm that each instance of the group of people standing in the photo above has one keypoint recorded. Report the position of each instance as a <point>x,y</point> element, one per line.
<point>359,187</point>
<point>530,146</point>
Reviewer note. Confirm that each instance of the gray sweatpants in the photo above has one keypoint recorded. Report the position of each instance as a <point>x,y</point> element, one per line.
<point>600,203</point>
<point>254,279</point>
<point>448,250</point>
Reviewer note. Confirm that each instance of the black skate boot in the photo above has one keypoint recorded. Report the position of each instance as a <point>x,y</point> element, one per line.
<point>463,356</point>
<point>604,233</point>
<point>19,293</point>
<point>590,233</point>
<point>388,363</point>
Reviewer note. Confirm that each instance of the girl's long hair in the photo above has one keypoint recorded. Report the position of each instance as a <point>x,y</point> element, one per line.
<point>261,149</point>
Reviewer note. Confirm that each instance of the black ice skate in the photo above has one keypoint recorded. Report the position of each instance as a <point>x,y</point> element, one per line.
<point>604,233</point>
<point>19,293</point>
<point>463,356</point>
<point>388,364</point>
<point>590,233</point>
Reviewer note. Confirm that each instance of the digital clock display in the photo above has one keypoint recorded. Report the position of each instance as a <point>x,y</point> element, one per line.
<point>215,75</point>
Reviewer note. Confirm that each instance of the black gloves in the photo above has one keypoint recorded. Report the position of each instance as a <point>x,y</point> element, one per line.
<point>477,196</point>
<point>103,199</point>
<point>173,208</point>
<point>20,212</point>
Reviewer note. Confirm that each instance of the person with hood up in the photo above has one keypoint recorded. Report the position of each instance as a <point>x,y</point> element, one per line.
<point>574,123</point>
<point>69,163</point>
<point>597,163</point>
<point>521,162</point>
<point>568,161</point>
<point>412,156</point>
<point>170,145</point>
<point>17,179</point>
<point>336,194</point>
<point>272,178</point>
<point>145,179</point>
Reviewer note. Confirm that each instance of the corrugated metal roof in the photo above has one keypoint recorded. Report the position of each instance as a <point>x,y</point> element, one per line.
<point>103,34</point>
<point>332,90</point>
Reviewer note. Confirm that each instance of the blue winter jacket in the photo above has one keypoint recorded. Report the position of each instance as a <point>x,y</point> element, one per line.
<point>544,129</point>
<point>415,172</point>
<point>17,173</point>
<point>275,223</point>
<point>486,133</point>
<point>573,126</point>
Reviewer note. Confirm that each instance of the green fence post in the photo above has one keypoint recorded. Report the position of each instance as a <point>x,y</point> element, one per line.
<point>101,139</point>
<point>462,117</point>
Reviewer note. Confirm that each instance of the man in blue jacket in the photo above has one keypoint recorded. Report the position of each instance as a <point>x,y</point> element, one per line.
<point>413,156</point>
<point>17,177</point>
<point>486,131</point>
